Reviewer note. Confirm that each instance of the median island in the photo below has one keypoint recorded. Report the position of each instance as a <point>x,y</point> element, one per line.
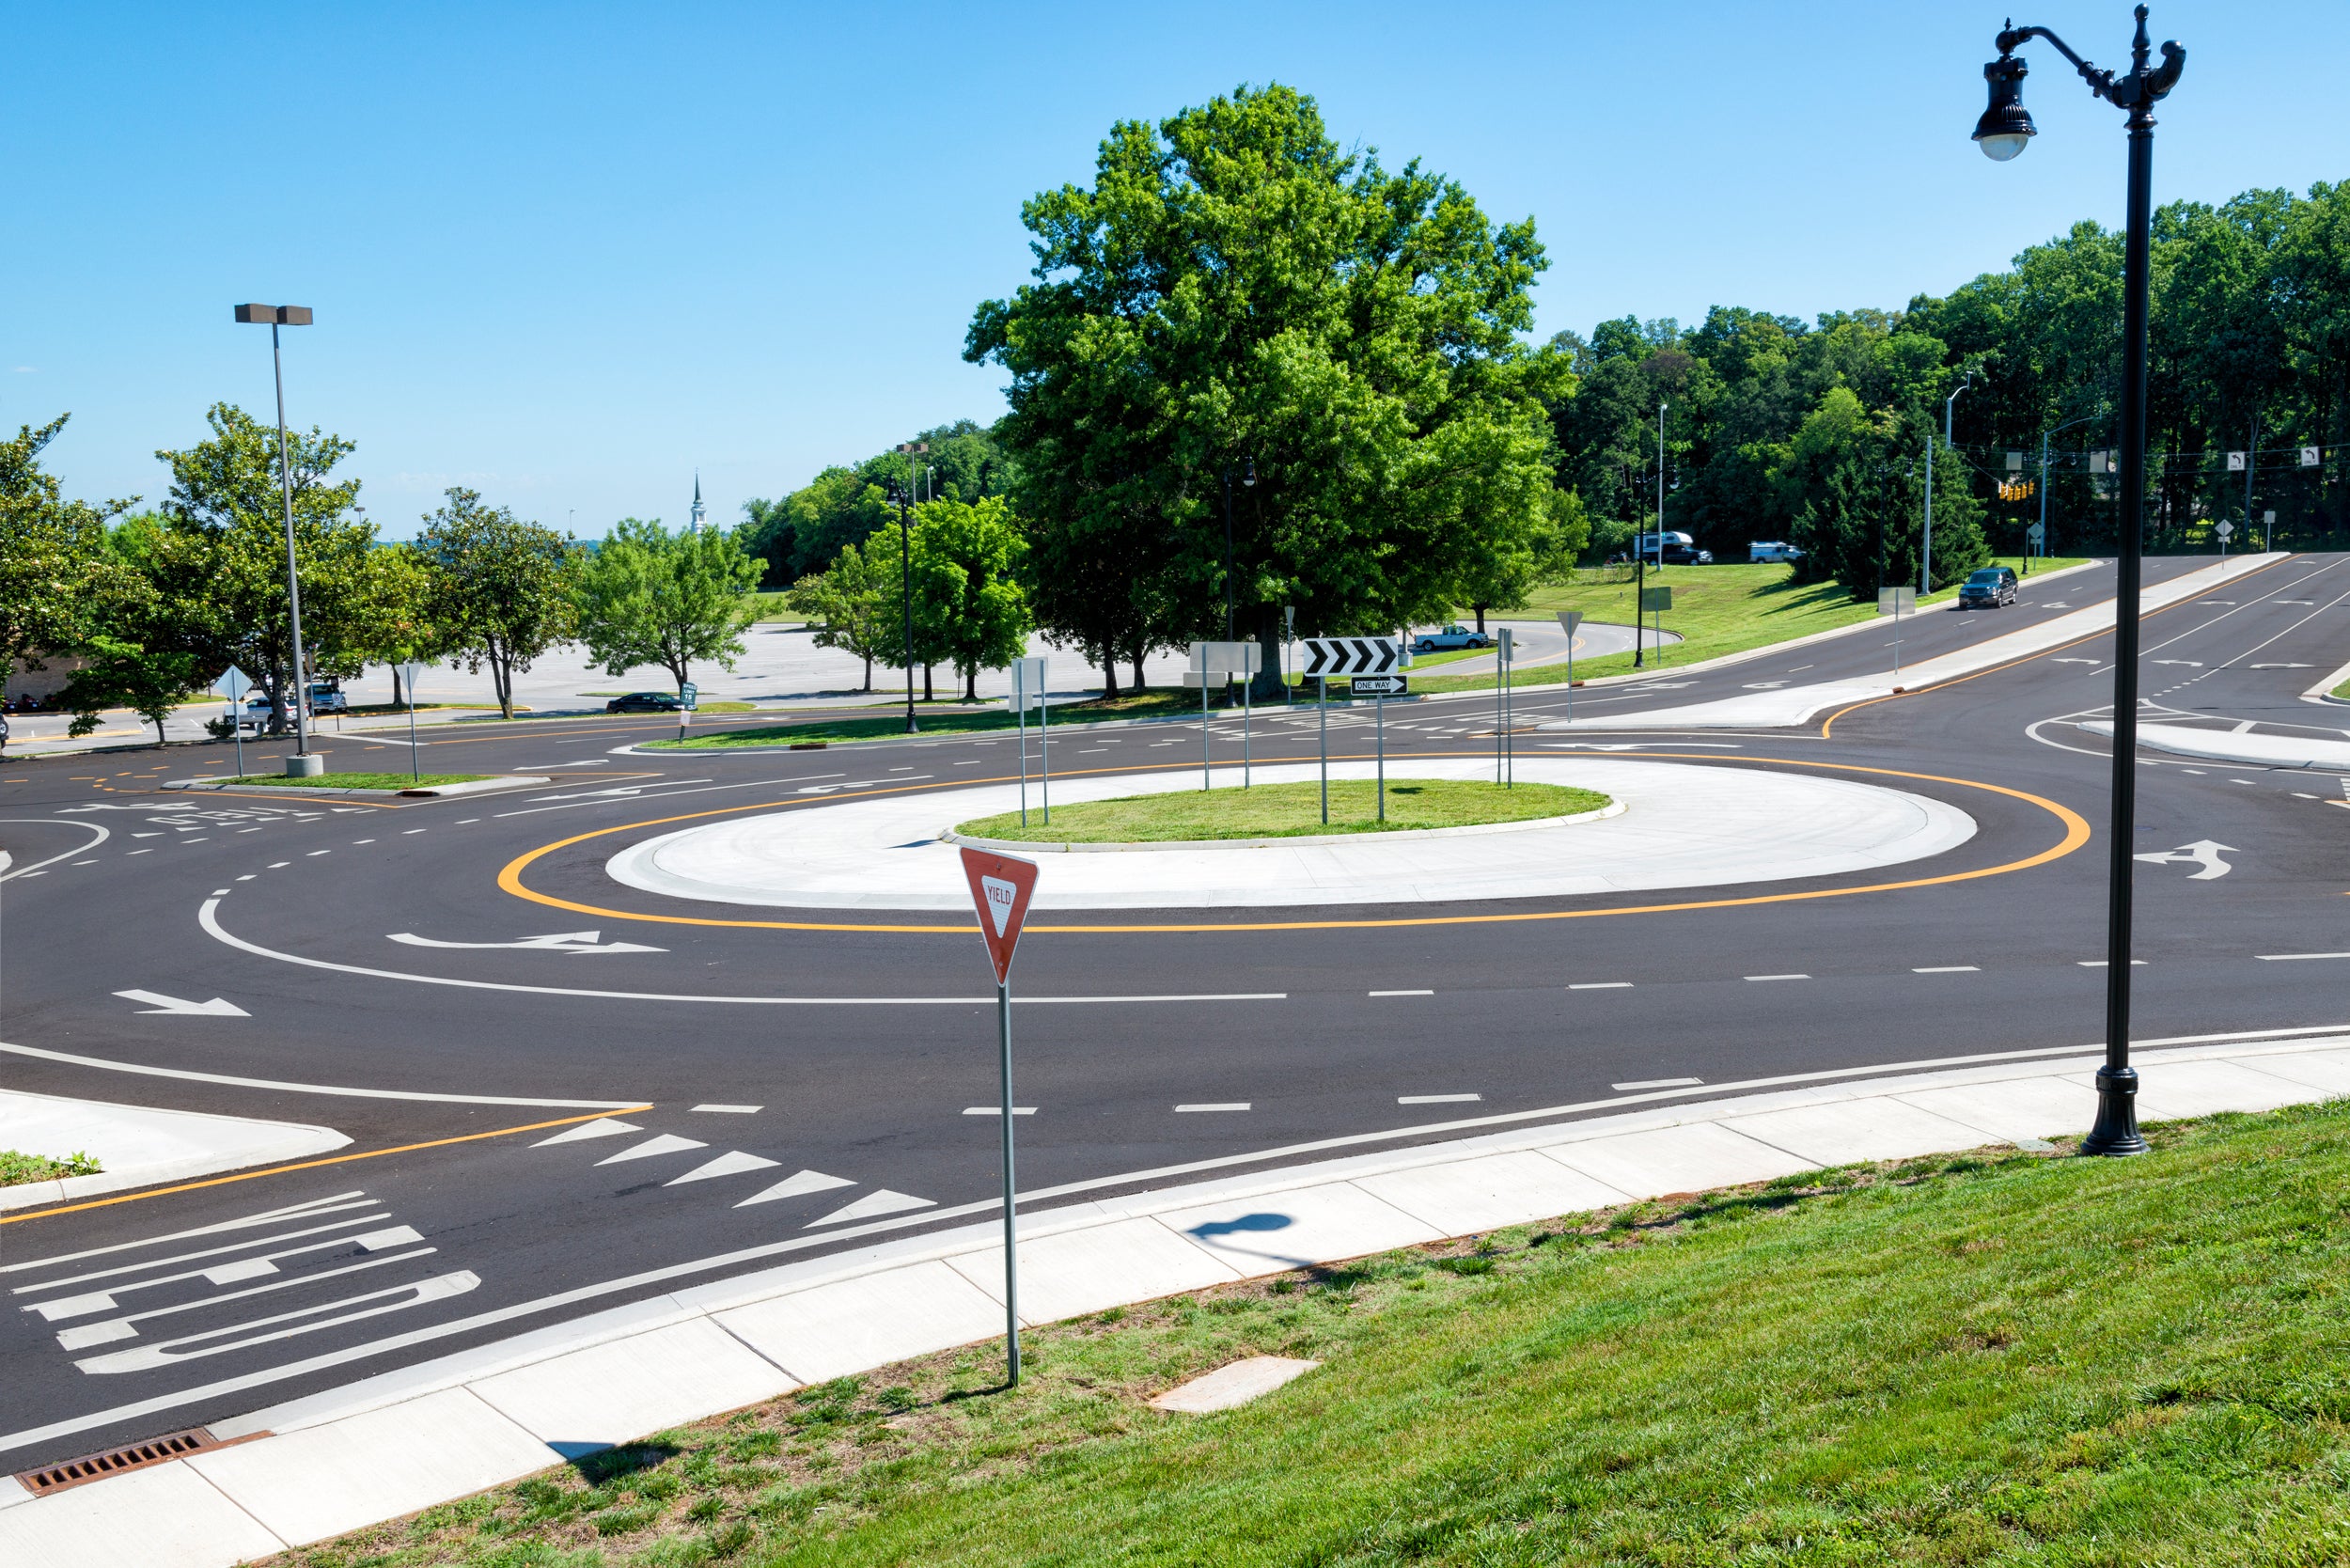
<point>1285,811</point>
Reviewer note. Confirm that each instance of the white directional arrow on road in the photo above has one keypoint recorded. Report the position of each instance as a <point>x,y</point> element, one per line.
<point>557,942</point>
<point>2202,852</point>
<point>158,1002</point>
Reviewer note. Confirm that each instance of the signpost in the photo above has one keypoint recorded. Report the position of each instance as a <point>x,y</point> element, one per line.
<point>1001,886</point>
<point>1505,750</point>
<point>1214,663</point>
<point>1897,601</point>
<point>2268,527</point>
<point>687,694</point>
<point>1366,662</point>
<point>2223,530</point>
<point>1027,691</point>
<point>1658,600</point>
<point>233,683</point>
<point>1568,622</point>
<point>2036,540</point>
<point>407,673</point>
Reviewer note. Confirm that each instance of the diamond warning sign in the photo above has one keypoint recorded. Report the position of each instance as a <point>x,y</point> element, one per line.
<point>1000,887</point>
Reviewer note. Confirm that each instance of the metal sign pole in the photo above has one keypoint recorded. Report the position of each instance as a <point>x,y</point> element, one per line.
<point>1326,748</point>
<point>1203,717</point>
<point>1379,707</point>
<point>1509,732</point>
<point>1045,744</point>
<point>1247,687</point>
<point>236,727</point>
<point>1020,721</point>
<point>1011,1253</point>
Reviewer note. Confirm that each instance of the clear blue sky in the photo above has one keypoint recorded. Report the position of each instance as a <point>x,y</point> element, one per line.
<point>568,254</point>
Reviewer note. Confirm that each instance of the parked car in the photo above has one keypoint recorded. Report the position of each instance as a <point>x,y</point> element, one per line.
<point>1677,549</point>
<point>328,699</point>
<point>1772,549</point>
<point>644,703</point>
<point>1452,636</point>
<point>1992,586</point>
<point>4,726</point>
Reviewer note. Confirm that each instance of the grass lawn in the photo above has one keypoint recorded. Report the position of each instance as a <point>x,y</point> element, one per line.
<point>16,1168</point>
<point>2342,690</point>
<point>771,610</point>
<point>1716,610</point>
<point>1288,811</point>
<point>963,719</point>
<point>364,780</point>
<point>2006,1359</point>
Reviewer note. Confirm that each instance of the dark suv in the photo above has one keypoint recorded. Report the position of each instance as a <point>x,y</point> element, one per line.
<point>1990,588</point>
<point>644,703</point>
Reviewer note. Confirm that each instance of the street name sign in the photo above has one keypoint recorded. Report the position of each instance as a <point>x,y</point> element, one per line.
<point>1379,686</point>
<point>1343,656</point>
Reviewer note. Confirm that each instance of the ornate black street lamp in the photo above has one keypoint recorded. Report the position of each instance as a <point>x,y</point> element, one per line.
<point>2004,131</point>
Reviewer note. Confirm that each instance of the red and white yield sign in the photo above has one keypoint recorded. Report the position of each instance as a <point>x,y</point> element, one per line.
<point>1000,887</point>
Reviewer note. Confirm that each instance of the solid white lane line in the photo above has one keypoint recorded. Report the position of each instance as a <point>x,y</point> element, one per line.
<point>144,1070</point>
<point>207,917</point>
<point>1778,977</point>
<point>1220,1106</point>
<point>1656,1082</point>
<point>1601,985</point>
<point>1950,969</point>
<point>997,1110</point>
<point>1436,1099</point>
<point>1402,992</point>
<point>732,1111</point>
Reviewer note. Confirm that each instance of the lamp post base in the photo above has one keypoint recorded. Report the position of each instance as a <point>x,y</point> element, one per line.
<point>2116,1132</point>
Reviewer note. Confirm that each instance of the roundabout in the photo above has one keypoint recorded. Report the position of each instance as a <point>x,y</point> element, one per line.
<point>1672,825</point>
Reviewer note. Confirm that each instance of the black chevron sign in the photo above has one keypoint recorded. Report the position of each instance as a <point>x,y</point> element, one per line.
<point>1338,656</point>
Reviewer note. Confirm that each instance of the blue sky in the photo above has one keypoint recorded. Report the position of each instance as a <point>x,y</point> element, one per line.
<point>568,255</point>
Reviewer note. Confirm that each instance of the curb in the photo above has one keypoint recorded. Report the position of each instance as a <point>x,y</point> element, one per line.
<point>237,1142</point>
<point>319,1466</point>
<point>477,786</point>
<point>1614,808</point>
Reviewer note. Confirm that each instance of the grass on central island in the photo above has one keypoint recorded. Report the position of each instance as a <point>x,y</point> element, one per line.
<point>1287,811</point>
<point>365,780</point>
<point>1994,1358</point>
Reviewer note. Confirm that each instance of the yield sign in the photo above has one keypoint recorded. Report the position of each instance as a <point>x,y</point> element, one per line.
<point>1000,887</point>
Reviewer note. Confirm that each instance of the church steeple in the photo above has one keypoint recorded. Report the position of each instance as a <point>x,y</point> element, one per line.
<point>697,501</point>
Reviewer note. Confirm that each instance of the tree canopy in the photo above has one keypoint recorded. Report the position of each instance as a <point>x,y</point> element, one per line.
<point>498,590</point>
<point>651,597</point>
<point>1237,296</point>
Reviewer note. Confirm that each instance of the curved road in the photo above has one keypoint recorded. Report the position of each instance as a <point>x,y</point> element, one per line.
<point>430,977</point>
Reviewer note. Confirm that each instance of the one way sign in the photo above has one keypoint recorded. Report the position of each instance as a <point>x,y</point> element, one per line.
<point>1337,656</point>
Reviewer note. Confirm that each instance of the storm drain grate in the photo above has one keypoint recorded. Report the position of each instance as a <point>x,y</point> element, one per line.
<point>114,1462</point>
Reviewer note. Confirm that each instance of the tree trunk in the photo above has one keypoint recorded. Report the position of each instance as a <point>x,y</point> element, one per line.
<point>869,672</point>
<point>1141,684</point>
<point>1109,673</point>
<point>971,684</point>
<point>1268,686</point>
<point>396,697</point>
<point>1481,619</point>
<point>926,684</point>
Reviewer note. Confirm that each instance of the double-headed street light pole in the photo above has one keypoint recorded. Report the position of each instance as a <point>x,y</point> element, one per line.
<point>1248,479</point>
<point>278,316</point>
<point>1925,565</point>
<point>2004,131</point>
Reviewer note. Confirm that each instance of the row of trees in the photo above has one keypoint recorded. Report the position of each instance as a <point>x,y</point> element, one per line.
<point>1819,431</point>
<point>156,604</point>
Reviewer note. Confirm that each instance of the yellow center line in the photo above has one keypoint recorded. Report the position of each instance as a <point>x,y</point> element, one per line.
<point>2075,835</point>
<point>314,1165</point>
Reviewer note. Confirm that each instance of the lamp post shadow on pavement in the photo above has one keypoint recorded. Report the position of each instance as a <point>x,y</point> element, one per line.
<point>2003,131</point>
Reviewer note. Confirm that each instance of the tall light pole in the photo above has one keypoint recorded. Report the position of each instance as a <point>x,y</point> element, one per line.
<point>1925,564</point>
<point>2043,473</point>
<point>278,316</point>
<point>1661,407</point>
<point>2004,131</point>
<point>1249,478</point>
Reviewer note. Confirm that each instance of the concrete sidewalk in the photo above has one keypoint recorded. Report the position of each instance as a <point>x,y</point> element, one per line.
<point>314,1468</point>
<point>137,1145</point>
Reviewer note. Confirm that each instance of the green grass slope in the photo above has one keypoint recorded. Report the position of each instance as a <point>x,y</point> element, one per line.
<point>2004,1359</point>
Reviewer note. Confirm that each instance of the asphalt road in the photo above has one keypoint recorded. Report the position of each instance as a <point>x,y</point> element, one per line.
<point>862,1049</point>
